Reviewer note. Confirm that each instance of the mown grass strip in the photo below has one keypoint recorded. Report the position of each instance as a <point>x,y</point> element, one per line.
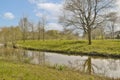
<point>105,48</point>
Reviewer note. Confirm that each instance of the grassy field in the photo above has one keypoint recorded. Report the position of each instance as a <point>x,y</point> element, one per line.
<point>10,70</point>
<point>99,47</point>
<point>20,71</point>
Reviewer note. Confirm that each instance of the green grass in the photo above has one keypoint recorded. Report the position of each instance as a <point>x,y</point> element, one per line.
<point>20,71</point>
<point>107,47</point>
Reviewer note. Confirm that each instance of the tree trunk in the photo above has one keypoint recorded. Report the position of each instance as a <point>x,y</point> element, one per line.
<point>39,33</point>
<point>89,36</point>
<point>43,33</point>
<point>33,37</point>
<point>113,31</point>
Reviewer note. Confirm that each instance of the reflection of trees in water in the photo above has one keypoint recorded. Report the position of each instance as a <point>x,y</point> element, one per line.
<point>25,56</point>
<point>7,53</point>
<point>41,57</point>
<point>105,68</point>
<point>38,57</point>
<point>112,65</point>
<point>88,66</point>
<point>82,65</point>
<point>34,57</point>
<point>22,56</point>
<point>76,65</point>
<point>12,54</point>
<point>91,67</point>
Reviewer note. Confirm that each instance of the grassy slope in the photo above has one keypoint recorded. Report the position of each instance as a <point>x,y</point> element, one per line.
<point>14,71</point>
<point>98,46</point>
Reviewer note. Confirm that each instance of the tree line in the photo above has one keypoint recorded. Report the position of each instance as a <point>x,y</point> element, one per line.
<point>27,30</point>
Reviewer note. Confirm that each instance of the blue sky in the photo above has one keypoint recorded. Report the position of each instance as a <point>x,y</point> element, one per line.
<point>12,10</point>
<point>17,8</point>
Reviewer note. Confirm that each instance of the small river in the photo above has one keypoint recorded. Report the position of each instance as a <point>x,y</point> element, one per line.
<point>94,65</point>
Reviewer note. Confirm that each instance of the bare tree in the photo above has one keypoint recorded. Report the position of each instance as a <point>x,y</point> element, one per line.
<point>10,35</point>
<point>32,30</point>
<point>5,37</point>
<point>39,29</point>
<point>112,19</point>
<point>99,32</point>
<point>43,23</point>
<point>14,35</point>
<point>85,14</point>
<point>24,24</point>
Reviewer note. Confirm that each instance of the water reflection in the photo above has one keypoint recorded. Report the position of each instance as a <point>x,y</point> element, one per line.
<point>91,65</point>
<point>25,56</point>
<point>88,65</point>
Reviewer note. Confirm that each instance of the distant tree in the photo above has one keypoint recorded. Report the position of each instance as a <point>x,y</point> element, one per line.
<point>85,14</point>
<point>24,24</point>
<point>43,24</point>
<point>69,34</point>
<point>112,19</point>
<point>32,30</point>
<point>10,35</point>
<point>15,34</point>
<point>5,36</point>
<point>118,36</point>
<point>39,29</point>
<point>53,34</point>
<point>99,32</point>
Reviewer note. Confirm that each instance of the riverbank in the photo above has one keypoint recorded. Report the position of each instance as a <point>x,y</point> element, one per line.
<point>20,71</point>
<point>104,48</point>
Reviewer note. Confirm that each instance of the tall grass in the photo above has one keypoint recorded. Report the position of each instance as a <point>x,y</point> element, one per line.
<point>15,71</point>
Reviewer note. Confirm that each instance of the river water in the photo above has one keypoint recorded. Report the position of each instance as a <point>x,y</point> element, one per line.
<point>93,65</point>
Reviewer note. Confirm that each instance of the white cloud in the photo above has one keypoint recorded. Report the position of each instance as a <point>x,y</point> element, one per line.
<point>8,15</point>
<point>51,7</point>
<point>118,6</point>
<point>32,1</point>
<point>118,3</point>
<point>54,26</point>
<point>50,10</point>
<point>36,1</point>
<point>117,28</point>
<point>39,14</point>
<point>43,7</point>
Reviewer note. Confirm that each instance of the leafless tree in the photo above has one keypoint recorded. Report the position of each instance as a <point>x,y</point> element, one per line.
<point>15,35</point>
<point>43,23</point>
<point>112,19</point>
<point>32,30</point>
<point>5,36</point>
<point>99,32</point>
<point>85,14</point>
<point>24,24</point>
<point>39,29</point>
